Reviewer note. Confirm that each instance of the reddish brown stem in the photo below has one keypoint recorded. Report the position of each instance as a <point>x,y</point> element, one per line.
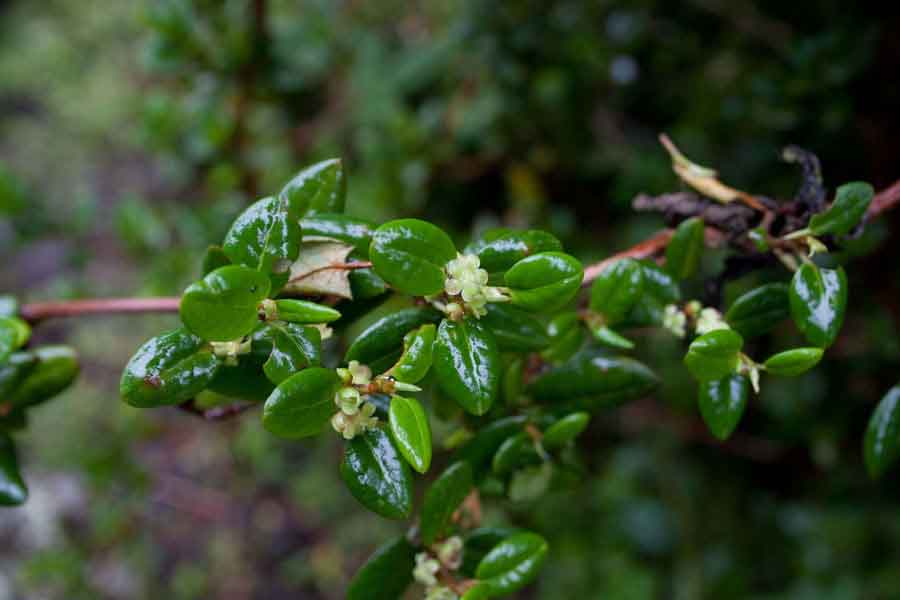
<point>39,311</point>
<point>884,201</point>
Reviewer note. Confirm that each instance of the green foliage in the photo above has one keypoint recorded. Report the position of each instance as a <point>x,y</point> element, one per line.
<point>411,432</point>
<point>467,364</point>
<point>685,249</point>
<point>881,446</point>
<point>377,476</point>
<point>760,310</point>
<point>442,499</point>
<point>714,355</point>
<point>223,306</point>
<point>722,403</point>
<point>545,281</point>
<point>410,255</point>
<point>850,204</point>
<point>818,303</point>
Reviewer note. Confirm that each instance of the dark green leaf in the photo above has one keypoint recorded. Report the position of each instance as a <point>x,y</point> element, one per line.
<point>214,258</point>
<point>246,380</point>
<point>223,305</point>
<point>411,431</point>
<point>303,311</point>
<point>443,498</point>
<point>302,404</point>
<point>377,476</point>
<point>794,362</point>
<point>512,564</point>
<point>335,226</point>
<point>294,348</point>
<point>14,371</point>
<point>12,488</point>
<point>479,451</point>
<point>546,281</point>
<point>55,369</point>
<point>385,336</point>
<point>515,329</point>
<point>850,204</point>
<point>467,364</point>
<point>410,255</point>
<point>608,337</point>
<point>365,284</point>
<point>722,403</point>
<point>319,188</point>
<point>566,337</point>
<point>658,289</point>
<point>759,310</point>
<point>168,369</point>
<point>515,451</point>
<point>416,359</point>
<point>499,250</point>
<point>565,430</point>
<point>685,249</point>
<point>14,332</point>
<point>386,574</point>
<point>882,442</point>
<point>479,542</point>
<point>512,383</point>
<point>714,355</point>
<point>617,289</point>
<point>818,302</point>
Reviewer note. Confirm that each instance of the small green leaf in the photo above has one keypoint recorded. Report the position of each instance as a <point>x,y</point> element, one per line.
<point>566,337</point>
<point>13,491</point>
<point>714,355</point>
<point>411,431</point>
<point>410,255</point>
<point>365,284</point>
<point>14,371</point>
<point>515,329</point>
<point>759,310</point>
<point>336,226</point>
<point>302,404</point>
<point>467,364</point>
<point>818,302</point>
<point>479,451</point>
<point>500,249</point>
<point>881,446</point>
<point>722,403</point>
<point>608,337</point>
<point>303,311</point>
<point>565,430</point>
<point>515,451</point>
<point>386,574</point>
<point>685,249</point>
<point>544,282</point>
<point>850,204</point>
<point>55,369</point>
<point>223,305</point>
<point>168,369</point>
<point>377,476</point>
<point>443,498</point>
<point>384,337</point>
<point>294,348</point>
<point>530,482</point>
<point>14,333</point>
<point>658,289</point>
<point>512,564</point>
<point>478,542</point>
<point>512,383</point>
<point>214,258</point>
<point>319,188</point>
<point>793,362</point>
<point>617,289</point>
<point>416,359</point>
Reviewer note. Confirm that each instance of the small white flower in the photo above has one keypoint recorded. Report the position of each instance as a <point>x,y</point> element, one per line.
<point>465,279</point>
<point>361,374</point>
<point>674,320</point>
<point>709,320</point>
<point>450,553</point>
<point>426,569</point>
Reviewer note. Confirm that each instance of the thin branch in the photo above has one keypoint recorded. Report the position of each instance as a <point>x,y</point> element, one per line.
<point>884,201</point>
<point>40,311</point>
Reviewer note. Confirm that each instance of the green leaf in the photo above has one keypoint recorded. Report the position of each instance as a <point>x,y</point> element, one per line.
<point>170,368</point>
<point>223,306</point>
<point>319,188</point>
<point>881,446</point>
<point>478,542</point>
<point>266,237</point>
<point>13,491</point>
<point>793,362</point>
<point>365,284</point>
<point>658,289</point>
<point>818,302</point>
<point>336,226</point>
<point>512,383</point>
<point>512,564</point>
<point>377,476</point>
<point>416,359</point>
<point>759,310</point>
<point>608,337</point>
<point>55,369</point>
<point>14,333</point>
<point>617,289</point>
<point>850,205</point>
<point>213,258</point>
<point>303,311</point>
<point>294,348</point>
<point>722,403</point>
<point>500,249</point>
<point>479,451</point>
<point>596,380</point>
<point>14,371</point>
<point>714,355</point>
<point>515,451</point>
<point>467,364</point>
<point>385,336</point>
<point>443,498</point>
<point>546,281</point>
<point>411,431</point>
<point>685,249</point>
<point>565,430</point>
<point>530,482</point>
<point>410,255</point>
<point>302,404</point>
<point>246,380</point>
<point>566,337</point>
<point>386,574</point>
<point>515,329</point>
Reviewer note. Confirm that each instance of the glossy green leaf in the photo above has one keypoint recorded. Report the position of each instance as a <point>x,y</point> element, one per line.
<point>714,355</point>
<point>512,564</point>
<point>416,359</point>
<point>478,542</point>
<point>759,310</point>
<point>608,337</point>
<point>213,258</point>
<point>722,403</point>
<point>515,451</point>
<point>377,476</point>
<point>881,446</point>
<point>319,188</point>
<point>168,369</point>
<point>512,383</point>
<point>303,311</point>
<point>14,332</point>
<point>480,450</point>
<point>658,288</point>
<point>467,364</point>
<point>499,250</point>
<point>13,491</point>
<point>793,362</point>
<point>365,284</point>
<point>566,334</point>
<point>596,380</point>
<point>336,226</point>
<point>246,380</point>
<point>56,368</point>
<point>294,348</point>
<point>685,249</point>
<point>443,498</point>
<point>565,430</point>
<point>385,336</point>
<point>617,289</point>
<point>223,306</point>
<point>410,255</point>
<point>386,574</point>
<point>411,431</point>
<point>544,282</point>
<point>850,204</point>
<point>515,329</point>
<point>14,371</point>
<point>302,404</point>
<point>266,237</point>
<point>818,303</point>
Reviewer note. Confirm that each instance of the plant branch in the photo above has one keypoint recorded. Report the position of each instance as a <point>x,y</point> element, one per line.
<point>40,311</point>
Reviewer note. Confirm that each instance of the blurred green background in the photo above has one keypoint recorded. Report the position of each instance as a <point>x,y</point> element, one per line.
<point>131,133</point>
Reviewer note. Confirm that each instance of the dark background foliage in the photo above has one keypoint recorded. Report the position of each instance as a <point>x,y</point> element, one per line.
<point>131,133</point>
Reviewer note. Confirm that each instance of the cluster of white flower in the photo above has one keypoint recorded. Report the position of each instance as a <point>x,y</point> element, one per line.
<point>705,319</point>
<point>466,279</point>
<point>675,320</point>
<point>354,415</point>
<point>449,554</point>
<point>229,351</point>
<point>709,320</point>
